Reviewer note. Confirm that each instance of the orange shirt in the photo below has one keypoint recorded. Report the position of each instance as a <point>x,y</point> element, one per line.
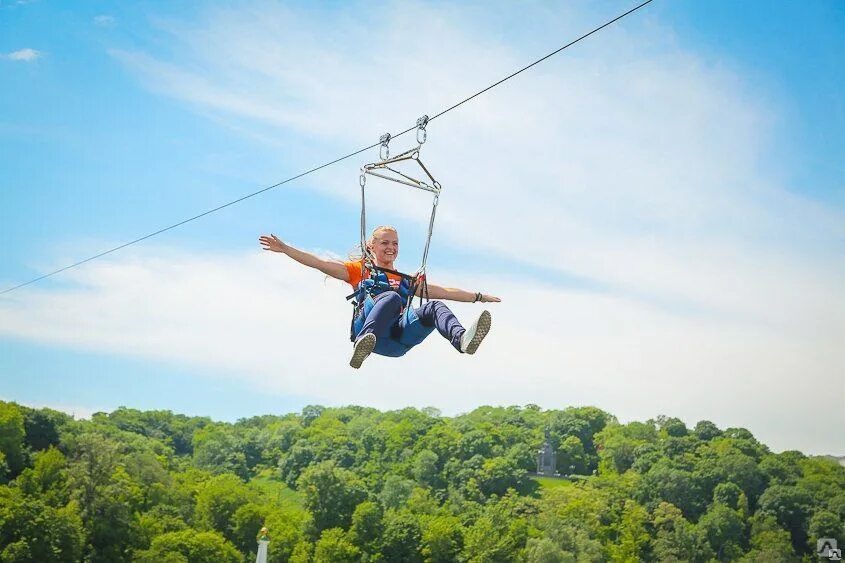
<point>354,269</point>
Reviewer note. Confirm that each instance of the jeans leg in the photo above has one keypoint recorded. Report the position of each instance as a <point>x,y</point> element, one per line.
<point>383,315</point>
<point>438,315</point>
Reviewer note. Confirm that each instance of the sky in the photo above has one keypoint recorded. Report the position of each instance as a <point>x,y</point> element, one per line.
<point>660,207</point>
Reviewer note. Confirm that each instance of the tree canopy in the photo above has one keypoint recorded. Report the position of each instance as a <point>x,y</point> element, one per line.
<point>358,484</point>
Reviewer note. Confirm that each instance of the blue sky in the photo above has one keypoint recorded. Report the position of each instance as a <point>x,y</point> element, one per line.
<point>660,206</point>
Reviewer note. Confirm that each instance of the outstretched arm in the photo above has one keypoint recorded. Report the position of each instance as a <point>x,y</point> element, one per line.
<point>454,294</point>
<point>331,268</point>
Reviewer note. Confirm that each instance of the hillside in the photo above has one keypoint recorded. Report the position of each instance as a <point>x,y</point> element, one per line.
<point>358,484</point>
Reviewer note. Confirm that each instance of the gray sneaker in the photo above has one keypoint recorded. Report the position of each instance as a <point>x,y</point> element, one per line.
<point>472,338</point>
<point>363,347</point>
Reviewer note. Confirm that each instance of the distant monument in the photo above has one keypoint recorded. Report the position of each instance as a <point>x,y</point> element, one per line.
<point>263,543</point>
<point>547,458</point>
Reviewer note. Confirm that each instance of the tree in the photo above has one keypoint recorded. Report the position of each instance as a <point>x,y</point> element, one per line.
<point>724,531</point>
<point>245,524</point>
<point>331,494</point>
<point>664,482</point>
<point>633,537</point>
<point>769,542</point>
<point>47,478</point>
<point>571,456</point>
<point>217,502</point>
<point>544,550</point>
<point>484,542</point>
<point>706,430</point>
<point>616,444</point>
<point>825,524</point>
<point>396,491</point>
<point>334,546</point>
<point>442,539</point>
<point>731,496</point>
<point>41,427</point>
<point>425,469</point>
<point>675,538</point>
<point>194,546</point>
<point>107,495</point>
<point>367,527</point>
<point>402,537</point>
<point>32,532</point>
<point>671,426</point>
<point>218,449</point>
<point>12,437</point>
<point>791,508</point>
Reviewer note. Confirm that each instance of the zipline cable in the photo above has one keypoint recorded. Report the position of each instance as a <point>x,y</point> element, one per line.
<point>335,161</point>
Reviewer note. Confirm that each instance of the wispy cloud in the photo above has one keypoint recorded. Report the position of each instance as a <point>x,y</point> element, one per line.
<point>104,20</point>
<point>25,55</point>
<point>264,320</point>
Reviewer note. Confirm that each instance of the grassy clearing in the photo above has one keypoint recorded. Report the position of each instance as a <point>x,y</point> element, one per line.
<point>552,483</point>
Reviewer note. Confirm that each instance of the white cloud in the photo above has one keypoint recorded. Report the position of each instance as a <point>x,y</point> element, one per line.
<point>282,328</point>
<point>25,55</point>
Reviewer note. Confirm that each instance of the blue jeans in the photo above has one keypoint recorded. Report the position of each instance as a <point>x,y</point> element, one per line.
<point>386,320</point>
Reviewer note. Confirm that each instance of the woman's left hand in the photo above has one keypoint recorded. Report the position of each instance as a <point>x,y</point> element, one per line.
<point>490,299</point>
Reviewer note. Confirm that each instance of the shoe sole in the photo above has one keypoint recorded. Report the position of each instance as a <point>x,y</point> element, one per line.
<point>363,348</point>
<point>481,330</point>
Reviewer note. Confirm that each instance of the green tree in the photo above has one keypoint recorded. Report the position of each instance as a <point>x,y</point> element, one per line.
<point>675,537</point>
<point>442,539</point>
<point>706,430</point>
<point>41,427</point>
<point>217,502</point>
<point>218,449</point>
<point>769,542</point>
<point>825,524</point>
<point>47,478</point>
<point>572,458</point>
<point>544,550</point>
<point>402,537</point>
<point>331,494</point>
<point>633,538</point>
<point>245,524</point>
<point>724,531</point>
<point>367,527</point>
<point>791,507</point>
<point>107,495</point>
<point>396,491</point>
<point>616,444</point>
<point>194,546</point>
<point>334,546</point>
<point>425,469</point>
<point>731,496</point>
<point>33,532</point>
<point>12,437</point>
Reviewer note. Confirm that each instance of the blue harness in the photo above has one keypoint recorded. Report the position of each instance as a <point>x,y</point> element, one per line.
<point>405,335</point>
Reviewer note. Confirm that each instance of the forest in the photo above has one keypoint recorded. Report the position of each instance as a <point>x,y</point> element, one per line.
<point>354,484</point>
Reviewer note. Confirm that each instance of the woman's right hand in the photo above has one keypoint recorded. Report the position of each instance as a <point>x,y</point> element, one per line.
<point>272,243</point>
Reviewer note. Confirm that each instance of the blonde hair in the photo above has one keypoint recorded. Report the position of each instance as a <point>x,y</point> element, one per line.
<point>358,253</point>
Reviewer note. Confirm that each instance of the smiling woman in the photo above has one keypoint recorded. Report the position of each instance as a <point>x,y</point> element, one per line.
<point>384,321</point>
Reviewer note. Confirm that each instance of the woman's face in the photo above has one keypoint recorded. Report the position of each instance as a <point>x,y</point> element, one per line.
<point>385,246</point>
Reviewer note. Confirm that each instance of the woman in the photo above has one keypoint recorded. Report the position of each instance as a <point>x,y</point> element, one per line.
<point>383,322</point>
